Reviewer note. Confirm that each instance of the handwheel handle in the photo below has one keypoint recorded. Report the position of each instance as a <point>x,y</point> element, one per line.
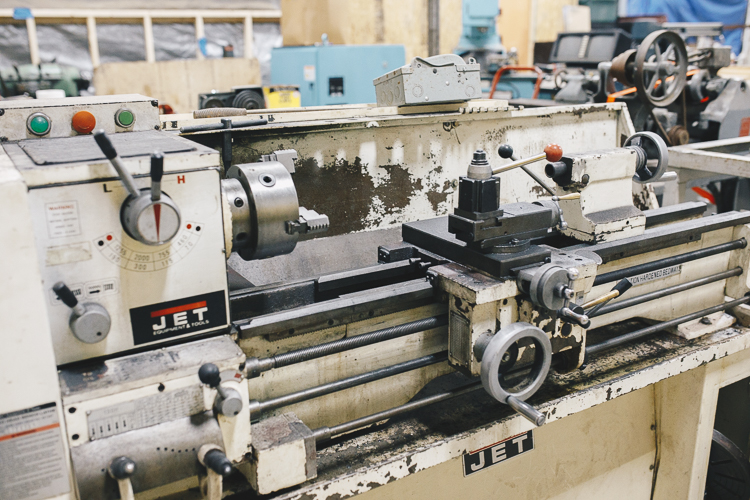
<point>492,351</point>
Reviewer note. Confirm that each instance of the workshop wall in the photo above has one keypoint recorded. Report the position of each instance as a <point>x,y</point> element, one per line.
<point>522,23</point>
<point>177,82</point>
<point>369,22</point>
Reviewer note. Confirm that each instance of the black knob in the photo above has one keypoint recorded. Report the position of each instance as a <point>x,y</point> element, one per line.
<point>63,293</point>
<point>157,166</point>
<point>210,375</point>
<point>505,151</point>
<point>218,462</point>
<point>122,468</point>
<point>105,144</point>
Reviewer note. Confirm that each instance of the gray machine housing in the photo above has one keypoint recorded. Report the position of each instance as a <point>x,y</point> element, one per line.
<point>436,79</point>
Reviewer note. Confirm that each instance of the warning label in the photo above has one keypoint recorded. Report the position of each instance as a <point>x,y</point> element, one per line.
<point>32,458</point>
<point>62,219</point>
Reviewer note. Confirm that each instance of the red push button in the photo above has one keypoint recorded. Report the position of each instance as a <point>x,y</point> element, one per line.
<point>83,122</point>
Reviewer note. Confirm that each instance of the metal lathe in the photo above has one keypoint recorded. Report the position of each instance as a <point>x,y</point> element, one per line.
<point>474,301</point>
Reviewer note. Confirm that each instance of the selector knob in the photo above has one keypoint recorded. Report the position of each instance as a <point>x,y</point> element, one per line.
<point>89,322</point>
<point>228,401</point>
<point>147,215</point>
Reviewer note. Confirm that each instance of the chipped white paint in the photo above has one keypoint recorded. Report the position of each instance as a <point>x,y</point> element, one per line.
<point>415,156</point>
<point>728,359</point>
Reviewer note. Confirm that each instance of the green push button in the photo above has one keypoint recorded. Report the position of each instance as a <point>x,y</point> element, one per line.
<point>125,118</point>
<point>38,124</point>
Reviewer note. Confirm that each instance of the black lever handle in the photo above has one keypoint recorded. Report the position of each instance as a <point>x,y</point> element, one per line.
<point>105,144</point>
<point>218,462</point>
<point>121,468</point>
<point>157,166</point>
<point>210,375</point>
<point>65,294</point>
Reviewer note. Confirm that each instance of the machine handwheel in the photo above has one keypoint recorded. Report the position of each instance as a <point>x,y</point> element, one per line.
<point>657,156</point>
<point>728,476</point>
<point>492,373</point>
<point>661,64</point>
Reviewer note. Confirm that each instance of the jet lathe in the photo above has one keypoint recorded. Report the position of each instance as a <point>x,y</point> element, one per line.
<point>131,368</point>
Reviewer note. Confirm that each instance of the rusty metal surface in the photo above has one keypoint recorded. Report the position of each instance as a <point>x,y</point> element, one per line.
<point>370,171</point>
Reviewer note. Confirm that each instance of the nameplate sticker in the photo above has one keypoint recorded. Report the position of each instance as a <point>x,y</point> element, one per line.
<point>178,317</point>
<point>640,279</point>
<point>494,454</point>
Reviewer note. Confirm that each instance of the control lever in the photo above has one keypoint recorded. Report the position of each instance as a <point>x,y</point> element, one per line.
<point>574,315</point>
<point>506,151</point>
<point>218,466</point>
<point>89,322</point>
<point>228,401</point>
<point>621,287</point>
<point>147,215</point>
<point>552,153</point>
<point>157,172</point>
<point>121,469</point>
<point>570,312</point>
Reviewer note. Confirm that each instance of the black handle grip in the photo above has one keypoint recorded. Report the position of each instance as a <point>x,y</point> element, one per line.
<point>210,375</point>
<point>157,166</point>
<point>218,462</point>
<point>122,468</point>
<point>505,151</point>
<point>105,144</point>
<point>623,286</point>
<point>63,293</point>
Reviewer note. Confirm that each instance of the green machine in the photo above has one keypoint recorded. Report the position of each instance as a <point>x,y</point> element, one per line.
<point>26,79</point>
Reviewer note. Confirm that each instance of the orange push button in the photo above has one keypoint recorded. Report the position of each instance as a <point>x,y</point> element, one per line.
<point>83,122</point>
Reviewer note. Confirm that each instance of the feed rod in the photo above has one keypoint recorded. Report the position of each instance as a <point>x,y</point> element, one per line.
<point>669,261</point>
<point>622,339</point>
<point>325,433</point>
<point>340,385</point>
<point>647,297</point>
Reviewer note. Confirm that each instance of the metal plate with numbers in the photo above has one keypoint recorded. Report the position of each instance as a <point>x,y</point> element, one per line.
<point>144,412</point>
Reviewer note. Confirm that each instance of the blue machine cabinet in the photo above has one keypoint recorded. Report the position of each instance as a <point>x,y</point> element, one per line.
<point>334,74</point>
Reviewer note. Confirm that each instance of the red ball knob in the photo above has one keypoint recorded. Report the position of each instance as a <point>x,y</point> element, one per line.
<point>553,152</point>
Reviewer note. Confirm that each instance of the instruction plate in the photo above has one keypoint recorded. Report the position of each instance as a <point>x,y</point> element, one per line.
<point>32,457</point>
<point>144,412</point>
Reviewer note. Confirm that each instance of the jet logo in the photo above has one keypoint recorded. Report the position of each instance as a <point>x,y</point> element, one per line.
<point>498,452</point>
<point>178,317</point>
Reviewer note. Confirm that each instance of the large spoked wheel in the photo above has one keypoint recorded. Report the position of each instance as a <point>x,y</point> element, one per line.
<point>661,64</point>
<point>656,156</point>
<point>493,378</point>
<point>728,476</point>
